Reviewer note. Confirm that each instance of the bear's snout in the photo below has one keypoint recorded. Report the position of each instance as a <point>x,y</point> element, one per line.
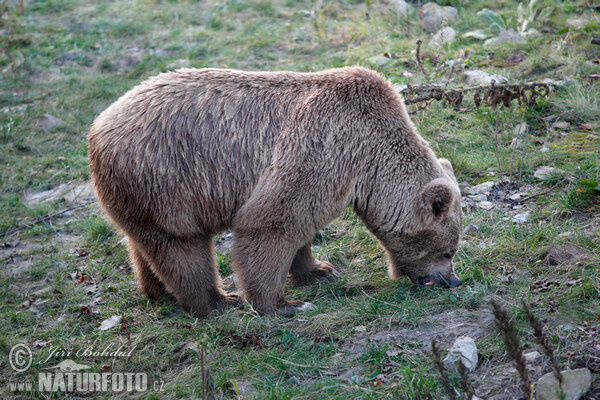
<point>439,279</point>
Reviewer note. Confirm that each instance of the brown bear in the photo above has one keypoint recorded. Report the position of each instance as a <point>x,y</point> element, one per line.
<point>274,156</point>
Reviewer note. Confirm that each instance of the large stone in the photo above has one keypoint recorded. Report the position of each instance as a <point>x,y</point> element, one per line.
<point>558,255</point>
<point>463,350</point>
<point>576,383</point>
<point>431,16</point>
<point>479,77</point>
<point>482,188</point>
<point>443,36</point>
<point>508,36</point>
<point>545,172</point>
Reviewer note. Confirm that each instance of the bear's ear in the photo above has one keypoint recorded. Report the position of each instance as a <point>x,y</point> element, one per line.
<point>447,168</point>
<point>436,197</point>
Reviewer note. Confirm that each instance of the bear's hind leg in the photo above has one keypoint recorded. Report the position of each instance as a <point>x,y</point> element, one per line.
<point>306,270</point>
<point>188,270</point>
<point>147,281</point>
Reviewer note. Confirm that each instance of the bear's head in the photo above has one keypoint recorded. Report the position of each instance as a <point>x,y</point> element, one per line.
<point>424,250</point>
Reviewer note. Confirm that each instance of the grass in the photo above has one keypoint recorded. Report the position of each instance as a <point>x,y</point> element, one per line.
<point>368,336</point>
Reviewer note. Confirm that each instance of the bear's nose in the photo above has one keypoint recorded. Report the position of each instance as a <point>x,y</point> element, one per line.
<point>452,281</point>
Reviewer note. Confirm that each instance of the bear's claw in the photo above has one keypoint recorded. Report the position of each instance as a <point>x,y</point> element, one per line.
<point>293,307</point>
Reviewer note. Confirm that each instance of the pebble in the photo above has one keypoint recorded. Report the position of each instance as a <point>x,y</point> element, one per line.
<point>486,205</point>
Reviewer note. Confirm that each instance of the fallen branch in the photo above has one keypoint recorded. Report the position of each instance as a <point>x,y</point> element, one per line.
<point>45,219</point>
<point>525,93</point>
<point>539,194</point>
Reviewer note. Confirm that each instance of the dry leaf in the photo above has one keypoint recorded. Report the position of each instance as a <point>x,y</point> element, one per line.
<point>105,368</point>
<point>110,323</point>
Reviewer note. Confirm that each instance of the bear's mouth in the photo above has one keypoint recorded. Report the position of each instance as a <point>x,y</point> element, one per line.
<point>440,280</point>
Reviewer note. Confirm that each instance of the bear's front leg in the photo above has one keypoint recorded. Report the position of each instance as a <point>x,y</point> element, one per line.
<point>262,263</point>
<point>307,270</point>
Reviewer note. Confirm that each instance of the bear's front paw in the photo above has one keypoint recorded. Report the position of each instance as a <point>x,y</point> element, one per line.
<point>291,308</point>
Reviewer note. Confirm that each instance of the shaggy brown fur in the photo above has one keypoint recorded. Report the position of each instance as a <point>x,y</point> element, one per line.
<point>275,156</point>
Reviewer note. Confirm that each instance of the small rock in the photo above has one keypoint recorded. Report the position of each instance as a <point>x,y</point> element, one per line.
<point>577,23</point>
<point>478,197</point>
<point>576,383</point>
<point>47,122</point>
<point>515,197</point>
<point>558,255</point>
<point>520,218</point>
<point>443,36</point>
<point>545,172</point>
<point>544,149</point>
<point>484,187</point>
<point>486,205</point>
<point>463,350</point>
<point>531,33</point>
<point>478,77</point>
<point>515,144</point>
<point>471,229</point>
<point>294,381</point>
<point>532,356</point>
<point>561,125</point>
<point>431,16</point>
<point>224,243</point>
<point>379,61</point>
<point>520,130</point>
<point>508,36</point>
<point>464,188</point>
<point>401,7</point>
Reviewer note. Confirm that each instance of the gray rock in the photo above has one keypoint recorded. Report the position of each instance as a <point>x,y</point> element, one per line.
<point>486,205</point>
<point>478,77</point>
<point>471,229</point>
<point>577,23</point>
<point>379,61</point>
<point>520,130</point>
<point>561,125</point>
<point>478,197</point>
<point>463,350</point>
<point>508,36</point>
<point>431,16</point>
<point>47,122</point>
<point>532,356</point>
<point>443,36</point>
<point>576,383</point>
<point>515,197</point>
<point>400,7</point>
<point>545,172</point>
<point>484,187</point>
<point>520,218</point>
<point>464,188</point>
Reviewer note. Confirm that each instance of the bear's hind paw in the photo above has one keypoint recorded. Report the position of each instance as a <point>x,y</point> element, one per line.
<point>230,301</point>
